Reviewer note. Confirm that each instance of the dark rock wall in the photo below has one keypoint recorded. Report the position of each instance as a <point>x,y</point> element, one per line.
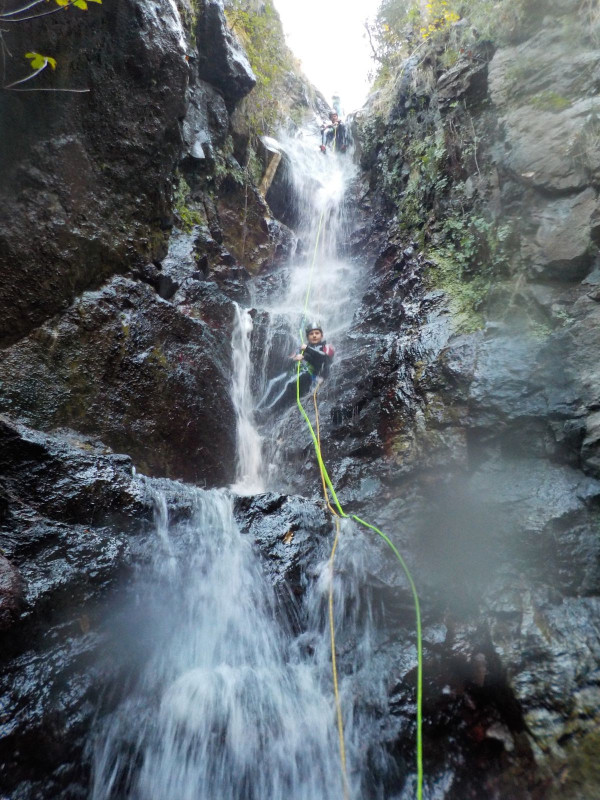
<point>86,177</point>
<point>464,414</point>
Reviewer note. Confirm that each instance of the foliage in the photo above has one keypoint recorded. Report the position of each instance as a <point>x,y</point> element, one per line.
<point>39,61</point>
<point>187,215</point>
<point>82,4</point>
<point>402,27</point>
<point>438,16</point>
<point>259,30</point>
<point>24,14</point>
<point>550,100</point>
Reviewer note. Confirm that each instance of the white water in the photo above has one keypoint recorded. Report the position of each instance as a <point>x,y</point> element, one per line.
<point>230,705</point>
<point>319,183</point>
<point>248,478</point>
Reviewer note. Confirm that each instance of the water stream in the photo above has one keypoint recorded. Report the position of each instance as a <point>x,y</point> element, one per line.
<point>236,702</point>
<point>319,185</point>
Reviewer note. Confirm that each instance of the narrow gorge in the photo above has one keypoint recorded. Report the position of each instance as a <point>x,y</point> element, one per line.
<point>166,233</point>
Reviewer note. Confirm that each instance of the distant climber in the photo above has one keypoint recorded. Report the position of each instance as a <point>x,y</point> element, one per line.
<point>315,359</point>
<point>334,135</point>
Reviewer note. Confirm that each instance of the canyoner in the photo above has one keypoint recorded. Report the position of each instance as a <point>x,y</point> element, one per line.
<point>334,135</point>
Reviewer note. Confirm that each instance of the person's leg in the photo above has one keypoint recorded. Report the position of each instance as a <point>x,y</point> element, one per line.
<point>273,390</point>
<point>306,383</point>
<point>284,396</point>
<point>288,395</point>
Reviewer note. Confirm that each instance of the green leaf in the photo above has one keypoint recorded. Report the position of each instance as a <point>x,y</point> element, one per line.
<point>38,61</point>
<point>80,4</point>
<point>63,2</point>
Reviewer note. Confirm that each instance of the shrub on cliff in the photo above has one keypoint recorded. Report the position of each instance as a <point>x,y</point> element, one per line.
<point>403,26</point>
<point>259,29</point>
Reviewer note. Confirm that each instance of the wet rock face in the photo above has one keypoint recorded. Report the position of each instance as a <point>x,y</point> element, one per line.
<point>86,177</point>
<point>11,593</point>
<point>287,531</point>
<point>73,522</point>
<point>147,377</point>
<point>206,122</point>
<point>477,450</point>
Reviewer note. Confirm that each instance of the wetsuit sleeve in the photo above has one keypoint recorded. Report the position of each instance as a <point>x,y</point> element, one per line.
<point>319,360</point>
<point>328,352</point>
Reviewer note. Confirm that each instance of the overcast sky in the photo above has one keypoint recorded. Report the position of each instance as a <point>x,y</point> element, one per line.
<point>328,37</point>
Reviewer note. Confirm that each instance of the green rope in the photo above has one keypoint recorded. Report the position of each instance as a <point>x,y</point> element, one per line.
<point>325,474</point>
<point>409,577</point>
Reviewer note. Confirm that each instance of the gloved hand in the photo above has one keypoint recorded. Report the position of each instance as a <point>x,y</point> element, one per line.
<point>320,380</point>
<point>323,148</point>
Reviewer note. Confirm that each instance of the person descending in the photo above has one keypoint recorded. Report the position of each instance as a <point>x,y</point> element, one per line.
<point>315,359</point>
<point>334,135</point>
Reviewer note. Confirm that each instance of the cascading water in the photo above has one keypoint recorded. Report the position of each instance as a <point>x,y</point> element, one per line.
<point>227,706</point>
<point>231,703</point>
<point>249,443</point>
<point>319,183</point>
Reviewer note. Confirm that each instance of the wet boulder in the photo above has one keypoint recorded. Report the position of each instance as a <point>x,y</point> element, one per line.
<point>563,245</point>
<point>67,477</point>
<point>288,531</point>
<point>249,232</point>
<point>145,376</point>
<point>221,61</point>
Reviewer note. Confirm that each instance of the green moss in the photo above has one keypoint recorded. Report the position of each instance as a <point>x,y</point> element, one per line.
<point>254,166</point>
<point>466,296</point>
<point>259,29</point>
<point>449,57</point>
<point>549,100</point>
<point>186,212</point>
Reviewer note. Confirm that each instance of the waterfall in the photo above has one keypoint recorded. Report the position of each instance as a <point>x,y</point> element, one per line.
<point>230,705</point>
<point>319,183</point>
<point>235,700</point>
<point>249,443</point>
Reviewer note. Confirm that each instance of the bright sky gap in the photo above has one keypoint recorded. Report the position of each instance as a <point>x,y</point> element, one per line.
<point>329,38</point>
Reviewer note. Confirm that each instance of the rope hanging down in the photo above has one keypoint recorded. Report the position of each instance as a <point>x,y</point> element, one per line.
<point>327,484</point>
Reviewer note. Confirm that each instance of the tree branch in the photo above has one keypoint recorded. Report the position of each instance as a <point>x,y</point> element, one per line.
<point>20,10</point>
<point>29,77</point>
<point>38,16</point>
